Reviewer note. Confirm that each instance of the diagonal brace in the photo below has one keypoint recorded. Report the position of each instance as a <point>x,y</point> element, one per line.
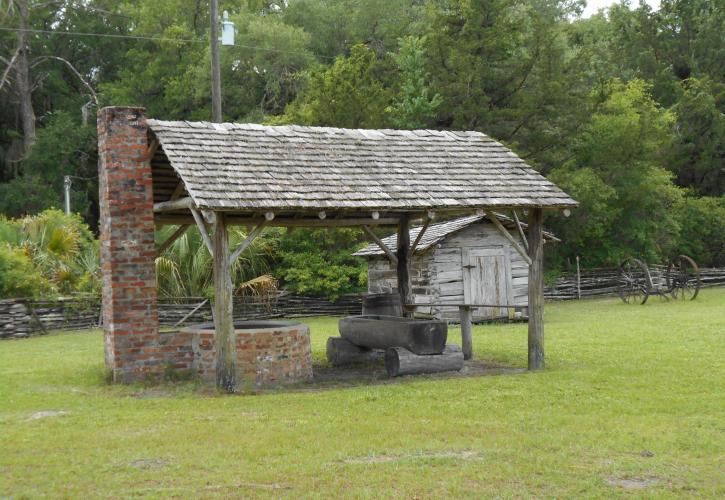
<point>492,217</point>
<point>171,239</point>
<point>202,229</point>
<point>418,238</point>
<point>247,241</point>
<point>393,258</point>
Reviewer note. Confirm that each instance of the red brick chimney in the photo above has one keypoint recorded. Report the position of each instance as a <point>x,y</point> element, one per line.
<point>130,315</point>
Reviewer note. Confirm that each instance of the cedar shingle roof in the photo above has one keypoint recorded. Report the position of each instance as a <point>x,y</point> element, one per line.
<point>438,232</point>
<point>245,167</point>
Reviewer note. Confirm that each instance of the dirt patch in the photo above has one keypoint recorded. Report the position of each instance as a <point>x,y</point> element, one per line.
<point>149,463</point>
<point>377,459</point>
<point>336,376</point>
<point>632,483</point>
<point>46,414</point>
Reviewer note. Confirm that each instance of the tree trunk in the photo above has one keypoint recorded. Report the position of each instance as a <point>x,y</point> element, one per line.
<point>224,337</point>
<point>23,85</point>
<point>536,290</point>
<point>400,361</point>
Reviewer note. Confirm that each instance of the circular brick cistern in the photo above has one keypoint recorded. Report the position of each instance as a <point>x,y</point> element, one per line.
<point>269,353</point>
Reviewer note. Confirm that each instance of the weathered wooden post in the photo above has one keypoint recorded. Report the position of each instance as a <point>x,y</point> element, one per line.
<point>466,329</point>
<point>403,267</point>
<point>536,289</point>
<point>225,341</point>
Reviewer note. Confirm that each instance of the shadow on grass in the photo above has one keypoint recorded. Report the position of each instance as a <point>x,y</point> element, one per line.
<point>325,378</point>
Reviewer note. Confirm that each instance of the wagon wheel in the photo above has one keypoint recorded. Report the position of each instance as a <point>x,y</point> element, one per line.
<point>683,278</point>
<point>633,283</point>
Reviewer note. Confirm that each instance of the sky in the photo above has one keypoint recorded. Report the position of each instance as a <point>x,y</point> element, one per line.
<point>594,5</point>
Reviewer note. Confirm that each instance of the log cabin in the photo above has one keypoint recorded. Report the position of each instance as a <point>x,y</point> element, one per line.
<point>466,260</point>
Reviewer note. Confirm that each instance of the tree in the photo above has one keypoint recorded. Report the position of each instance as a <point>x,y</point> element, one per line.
<point>627,198</point>
<point>413,106</point>
<point>503,67</point>
<point>319,262</point>
<point>352,93</point>
<point>698,154</point>
<point>702,234</point>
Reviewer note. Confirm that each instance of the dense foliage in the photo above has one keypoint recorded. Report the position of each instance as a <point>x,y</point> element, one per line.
<point>624,109</point>
<point>47,254</point>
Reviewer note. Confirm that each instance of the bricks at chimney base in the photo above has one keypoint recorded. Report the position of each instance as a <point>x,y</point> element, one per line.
<point>130,316</point>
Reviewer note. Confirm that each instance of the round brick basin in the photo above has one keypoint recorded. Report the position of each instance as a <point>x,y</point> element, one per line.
<point>269,353</point>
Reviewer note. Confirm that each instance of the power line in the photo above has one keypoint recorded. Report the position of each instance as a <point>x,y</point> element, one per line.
<point>103,35</point>
<point>156,39</point>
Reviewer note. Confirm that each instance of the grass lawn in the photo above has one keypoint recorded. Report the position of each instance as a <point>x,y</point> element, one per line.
<point>632,403</point>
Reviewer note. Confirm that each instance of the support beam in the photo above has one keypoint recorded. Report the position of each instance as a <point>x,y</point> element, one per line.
<point>171,239</point>
<point>403,266</point>
<point>224,336</point>
<point>426,221</point>
<point>466,313</point>
<point>202,229</point>
<point>247,241</point>
<point>536,289</point>
<point>492,217</point>
<point>521,230</point>
<point>171,205</point>
<point>382,245</point>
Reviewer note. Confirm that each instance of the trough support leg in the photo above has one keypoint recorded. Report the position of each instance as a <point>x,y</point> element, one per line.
<point>466,328</point>
<point>403,267</point>
<point>225,338</point>
<point>536,290</point>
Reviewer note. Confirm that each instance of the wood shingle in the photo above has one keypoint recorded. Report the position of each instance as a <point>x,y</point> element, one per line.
<point>245,167</point>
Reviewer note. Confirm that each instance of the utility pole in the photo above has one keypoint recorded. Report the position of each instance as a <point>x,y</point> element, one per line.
<point>216,79</point>
<point>66,192</point>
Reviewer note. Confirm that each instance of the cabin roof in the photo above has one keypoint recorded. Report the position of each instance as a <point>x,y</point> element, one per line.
<point>438,232</point>
<point>246,167</point>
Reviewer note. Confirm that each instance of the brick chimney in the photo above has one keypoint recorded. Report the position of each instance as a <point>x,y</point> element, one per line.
<point>130,315</point>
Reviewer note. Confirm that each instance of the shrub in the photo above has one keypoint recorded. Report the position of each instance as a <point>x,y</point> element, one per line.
<point>18,276</point>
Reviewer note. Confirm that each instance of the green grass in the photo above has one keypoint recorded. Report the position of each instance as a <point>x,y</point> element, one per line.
<point>620,380</point>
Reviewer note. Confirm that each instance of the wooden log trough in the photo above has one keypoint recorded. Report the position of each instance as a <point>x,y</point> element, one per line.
<point>408,346</point>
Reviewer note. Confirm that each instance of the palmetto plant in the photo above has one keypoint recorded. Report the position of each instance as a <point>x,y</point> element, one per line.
<point>185,268</point>
<point>61,248</point>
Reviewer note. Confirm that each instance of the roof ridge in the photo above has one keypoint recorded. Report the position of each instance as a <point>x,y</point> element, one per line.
<point>453,134</point>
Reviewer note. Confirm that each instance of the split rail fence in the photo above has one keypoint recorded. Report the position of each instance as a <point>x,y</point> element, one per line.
<point>603,282</point>
<point>27,317</point>
<point>21,318</point>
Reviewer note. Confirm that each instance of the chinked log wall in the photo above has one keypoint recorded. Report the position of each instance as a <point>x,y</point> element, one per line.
<point>21,318</point>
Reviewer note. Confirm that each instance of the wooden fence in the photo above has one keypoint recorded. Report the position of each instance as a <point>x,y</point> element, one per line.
<point>603,282</point>
<point>26,317</point>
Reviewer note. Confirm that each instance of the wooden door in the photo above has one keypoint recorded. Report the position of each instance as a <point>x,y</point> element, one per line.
<point>487,280</point>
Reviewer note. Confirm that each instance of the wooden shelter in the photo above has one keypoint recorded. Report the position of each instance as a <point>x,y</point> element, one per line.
<point>466,260</point>
<point>213,175</point>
